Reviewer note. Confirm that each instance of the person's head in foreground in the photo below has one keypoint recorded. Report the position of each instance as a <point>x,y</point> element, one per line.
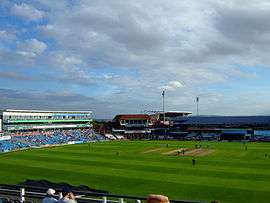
<point>157,199</point>
<point>68,194</point>
<point>50,192</point>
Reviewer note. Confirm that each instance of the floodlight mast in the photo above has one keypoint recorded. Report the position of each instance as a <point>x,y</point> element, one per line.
<point>197,102</point>
<point>163,97</point>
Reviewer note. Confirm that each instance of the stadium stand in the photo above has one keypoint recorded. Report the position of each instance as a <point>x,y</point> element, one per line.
<point>20,128</point>
<point>224,120</point>
<point>37,139</point>
<point>252,128</point>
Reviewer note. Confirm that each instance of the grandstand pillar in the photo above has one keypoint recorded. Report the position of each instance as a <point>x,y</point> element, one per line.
<point>104,199</point>
<point>22,193</point>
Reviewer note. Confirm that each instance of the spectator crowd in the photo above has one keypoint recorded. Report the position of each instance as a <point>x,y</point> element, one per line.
<point>36,139</point>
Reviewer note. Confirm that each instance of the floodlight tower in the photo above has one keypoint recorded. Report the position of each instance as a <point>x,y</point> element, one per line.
<point>197,102</point>
<point>163,101</point>
<point>163,97</point>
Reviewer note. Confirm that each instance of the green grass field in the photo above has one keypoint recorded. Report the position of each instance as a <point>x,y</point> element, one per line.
<point>229,174</point>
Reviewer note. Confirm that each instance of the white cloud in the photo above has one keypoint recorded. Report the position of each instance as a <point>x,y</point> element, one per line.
<point>167,44</point>
<point>27,11</point>
<point>72,68</point>
<point>64,61</point>
<point>140,47</point>
<point>107,76</point>
<point>5,35</point>
<point>172,86</point>
<point>31,48</point>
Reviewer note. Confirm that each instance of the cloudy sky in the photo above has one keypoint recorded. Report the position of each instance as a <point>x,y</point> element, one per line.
<point>117,56</point>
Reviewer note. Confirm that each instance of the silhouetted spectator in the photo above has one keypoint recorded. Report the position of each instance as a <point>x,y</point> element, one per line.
<point>50,196</point>
<point>68,196</point>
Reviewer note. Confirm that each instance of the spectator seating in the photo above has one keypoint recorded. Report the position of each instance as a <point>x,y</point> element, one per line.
<point>260,138</point>
<point>34,139</point>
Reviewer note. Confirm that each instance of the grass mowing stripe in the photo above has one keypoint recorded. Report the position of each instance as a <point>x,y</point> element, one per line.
<point>218,176</point>
<point>258,164</point>
<point>172,161</point>
<point>139,167</point>
<point>137,186</point>
<point>198,180</point>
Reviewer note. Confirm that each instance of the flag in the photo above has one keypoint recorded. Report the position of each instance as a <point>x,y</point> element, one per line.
<point>197,99</point>
<point>163,93</point>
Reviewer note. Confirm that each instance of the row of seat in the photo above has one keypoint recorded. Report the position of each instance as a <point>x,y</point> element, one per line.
<point>259,138</point>
<point>48,138</point>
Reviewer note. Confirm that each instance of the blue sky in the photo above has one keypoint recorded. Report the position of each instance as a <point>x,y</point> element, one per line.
<point>117,56</point>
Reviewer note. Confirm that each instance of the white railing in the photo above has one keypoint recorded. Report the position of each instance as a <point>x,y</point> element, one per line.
<point>23,195</point>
